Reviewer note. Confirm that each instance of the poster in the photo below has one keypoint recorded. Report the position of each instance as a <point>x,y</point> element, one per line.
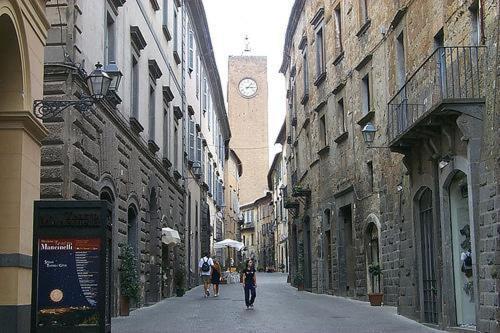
<point>68,276</point>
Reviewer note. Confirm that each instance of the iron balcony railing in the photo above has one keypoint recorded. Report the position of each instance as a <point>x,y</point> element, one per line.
<point>449,74</point>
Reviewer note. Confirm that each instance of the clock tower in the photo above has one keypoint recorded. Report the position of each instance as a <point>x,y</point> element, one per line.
<point>248,118</point>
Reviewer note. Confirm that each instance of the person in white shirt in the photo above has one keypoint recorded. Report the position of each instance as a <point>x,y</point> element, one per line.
<point>205,266</point>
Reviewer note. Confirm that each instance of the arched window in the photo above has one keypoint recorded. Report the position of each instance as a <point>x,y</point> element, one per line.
<point>132,229</point>
<point>373,256</point>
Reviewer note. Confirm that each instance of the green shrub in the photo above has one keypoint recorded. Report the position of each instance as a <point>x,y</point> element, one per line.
<point>129,276</point>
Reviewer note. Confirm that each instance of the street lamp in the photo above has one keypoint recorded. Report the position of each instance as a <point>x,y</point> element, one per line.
<point>369,133</point>
<point>115,75</point>
<point>98,83</point>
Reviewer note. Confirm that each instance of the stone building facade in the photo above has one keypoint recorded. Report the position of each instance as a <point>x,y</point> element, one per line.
<point>232,215</point>
<point>419,199</point>
<point>207,139</point>
<point>277,182</point>
<point>247,98</point>
<point>23,34</point>
<point>134,150</point>
<point>257,231</point>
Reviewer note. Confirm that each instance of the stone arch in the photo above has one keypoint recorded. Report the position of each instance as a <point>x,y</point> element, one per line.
<point>13,66</point>
<point>373,252</point>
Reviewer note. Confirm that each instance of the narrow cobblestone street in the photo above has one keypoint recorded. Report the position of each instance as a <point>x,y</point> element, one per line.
<point>278,308</point>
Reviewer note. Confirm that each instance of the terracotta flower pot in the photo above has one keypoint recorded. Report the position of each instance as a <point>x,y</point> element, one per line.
<point>376,299</point>
<point>124,306</point>
<point>300,287</point>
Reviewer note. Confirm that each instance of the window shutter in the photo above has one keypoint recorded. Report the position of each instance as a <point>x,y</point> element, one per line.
<point>191,50</point>
<point>209,177</point>
<point>198,150</point>
<point>191,140</point>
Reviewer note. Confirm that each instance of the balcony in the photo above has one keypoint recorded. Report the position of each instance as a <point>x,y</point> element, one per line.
<point>448,81</point>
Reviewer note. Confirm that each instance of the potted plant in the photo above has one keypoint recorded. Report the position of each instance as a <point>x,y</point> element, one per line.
<point>299,191</point>
<point>298,281</point>
<point>375,271</point>
<point>180,282</point>
<point>282,268</point>
<point>129,279</point>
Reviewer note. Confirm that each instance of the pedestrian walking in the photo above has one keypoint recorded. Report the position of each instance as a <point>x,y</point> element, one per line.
<point>216,274</point>
<point>205,265</point>
<point>249,283</point>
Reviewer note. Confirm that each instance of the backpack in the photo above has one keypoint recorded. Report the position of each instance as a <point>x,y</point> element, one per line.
<point>205,267</point>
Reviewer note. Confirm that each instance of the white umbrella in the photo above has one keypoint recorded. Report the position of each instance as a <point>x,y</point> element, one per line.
<point>229,243</point>
<point>170,236</point>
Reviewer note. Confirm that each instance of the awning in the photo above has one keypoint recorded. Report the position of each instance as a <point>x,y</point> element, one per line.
<point>229,243</point>
<point>170,236</point>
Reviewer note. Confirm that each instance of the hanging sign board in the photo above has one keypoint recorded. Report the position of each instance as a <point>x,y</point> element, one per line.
<point>71,260</point>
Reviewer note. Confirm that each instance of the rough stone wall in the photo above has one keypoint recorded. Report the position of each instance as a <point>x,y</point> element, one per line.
<point>337,170</point>
<point>85,154</point>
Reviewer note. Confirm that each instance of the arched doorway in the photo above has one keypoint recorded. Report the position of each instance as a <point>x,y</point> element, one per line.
<point>11,69</point>
<point>462,248</point>
<point>429,294</point>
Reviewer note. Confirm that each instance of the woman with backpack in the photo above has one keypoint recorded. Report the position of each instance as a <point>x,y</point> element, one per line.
<point>249,283</point>
<point>216,274</point>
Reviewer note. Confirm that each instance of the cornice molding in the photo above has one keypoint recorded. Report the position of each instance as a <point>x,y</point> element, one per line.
<point>26,121</point>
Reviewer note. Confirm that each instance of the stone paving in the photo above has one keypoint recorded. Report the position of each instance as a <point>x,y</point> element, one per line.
<point>278,308</point>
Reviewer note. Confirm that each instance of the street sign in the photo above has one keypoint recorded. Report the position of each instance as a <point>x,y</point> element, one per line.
<point>71,267</point>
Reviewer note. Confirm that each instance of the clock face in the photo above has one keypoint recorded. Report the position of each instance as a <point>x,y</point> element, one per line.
<point>248,87</point>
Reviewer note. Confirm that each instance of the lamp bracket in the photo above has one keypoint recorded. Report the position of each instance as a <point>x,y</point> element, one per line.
<point>45,109</point>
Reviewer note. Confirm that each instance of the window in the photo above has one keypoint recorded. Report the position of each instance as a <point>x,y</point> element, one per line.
<point>197,76</point>
<point>134,94</point>
<point>369,166</point>
<point>305,71</point>
<point>166,130</point>
<point>110,38</point>
<point>338,29</point>
<point>176,147</point>
<point>166,32</point>
<point>320,53</point>
<point>341,115</point>
<point>176,28</point>
<point>475,24</point>
<point>190,51</point>
<point>363,11</point>
<point>209,109</point>
<point>365,94</point>
<point>205,97</point>
<point>400,60</point>
<point>152,112</point>
<point>322,131</point>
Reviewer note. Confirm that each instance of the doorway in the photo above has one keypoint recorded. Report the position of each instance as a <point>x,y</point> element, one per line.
<point>462,251</point>
<point>429,283</point>
<point>348,280</point>
<point>153,245</point>
<point>307,255</point>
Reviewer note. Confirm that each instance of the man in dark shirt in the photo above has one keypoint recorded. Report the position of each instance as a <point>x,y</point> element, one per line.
<point>249,284</point>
